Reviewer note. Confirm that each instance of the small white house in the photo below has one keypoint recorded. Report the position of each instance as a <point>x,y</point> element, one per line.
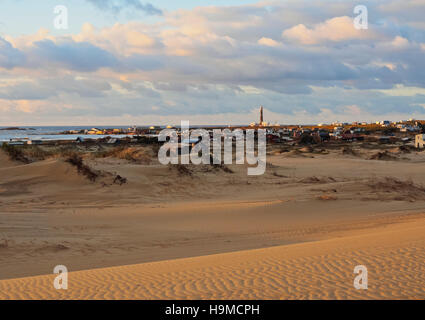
<point>420,141</point>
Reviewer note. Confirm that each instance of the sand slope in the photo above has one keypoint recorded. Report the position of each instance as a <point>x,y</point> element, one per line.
<point>5,162</point>
<point>394,255</point>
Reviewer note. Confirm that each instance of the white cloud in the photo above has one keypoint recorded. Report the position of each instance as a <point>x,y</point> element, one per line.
<point>335,29</point>
<point>400,42</point>
<point>268,42</point>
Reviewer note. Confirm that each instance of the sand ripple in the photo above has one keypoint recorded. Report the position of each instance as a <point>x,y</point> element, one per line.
<point>394,255</point>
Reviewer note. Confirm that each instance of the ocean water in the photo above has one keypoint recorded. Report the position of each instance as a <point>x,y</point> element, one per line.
<point>53,132</point>
<point>50,133</point>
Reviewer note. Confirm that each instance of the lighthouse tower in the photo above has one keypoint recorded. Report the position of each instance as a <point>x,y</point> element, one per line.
<point>261,115</point>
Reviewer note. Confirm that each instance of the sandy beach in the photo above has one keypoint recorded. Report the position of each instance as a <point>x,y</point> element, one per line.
<point>296,232</point>
<point>322,269</point>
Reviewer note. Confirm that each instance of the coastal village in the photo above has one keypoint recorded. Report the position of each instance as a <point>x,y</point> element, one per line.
<point>410,131</point>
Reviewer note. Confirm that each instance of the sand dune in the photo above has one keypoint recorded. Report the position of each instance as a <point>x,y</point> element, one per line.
<point>394,256</point>
<point>39,179</point>
<point>5,162</point>
<point>295,232</point>
<point>56,170</point>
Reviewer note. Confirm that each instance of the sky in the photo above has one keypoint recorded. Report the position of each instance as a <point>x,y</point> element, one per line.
<point>134,62</point>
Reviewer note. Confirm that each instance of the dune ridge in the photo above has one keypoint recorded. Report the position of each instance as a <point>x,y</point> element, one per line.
<point>394,256</point>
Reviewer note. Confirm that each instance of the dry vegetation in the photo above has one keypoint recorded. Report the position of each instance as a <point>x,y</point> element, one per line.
<point>140,155</point>
<point>31,153</point>
<point>314,179</point>
<point>190,170</point>
<point>384,155</point>
<point>14,153</point>
<point>403,190</point>
<point>77,161</point>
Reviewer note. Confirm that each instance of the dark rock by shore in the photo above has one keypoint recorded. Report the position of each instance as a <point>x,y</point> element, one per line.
<point>14,128</point>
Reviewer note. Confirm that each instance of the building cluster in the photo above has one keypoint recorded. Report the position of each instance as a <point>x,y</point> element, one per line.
<point>97,131</point>
<point>383,131</point>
